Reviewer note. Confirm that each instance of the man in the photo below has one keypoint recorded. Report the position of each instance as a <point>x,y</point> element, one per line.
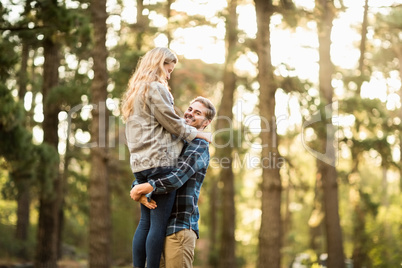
<point>187,178</point>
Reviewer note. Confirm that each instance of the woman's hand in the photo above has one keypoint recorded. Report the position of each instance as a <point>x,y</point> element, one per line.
<point>151,205</point>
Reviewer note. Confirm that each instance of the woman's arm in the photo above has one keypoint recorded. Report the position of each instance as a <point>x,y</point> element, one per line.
<point>161,106</point>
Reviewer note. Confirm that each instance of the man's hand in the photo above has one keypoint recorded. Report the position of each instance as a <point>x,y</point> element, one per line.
<point>144,200</point>
<point>139,190</point>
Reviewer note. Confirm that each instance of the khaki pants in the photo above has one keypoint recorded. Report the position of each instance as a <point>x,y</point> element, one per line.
<point>179,250</point>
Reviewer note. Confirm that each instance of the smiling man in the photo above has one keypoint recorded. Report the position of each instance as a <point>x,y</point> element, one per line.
<point>187,178</point>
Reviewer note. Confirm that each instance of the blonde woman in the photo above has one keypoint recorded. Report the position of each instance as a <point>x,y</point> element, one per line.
<point>155,135</point>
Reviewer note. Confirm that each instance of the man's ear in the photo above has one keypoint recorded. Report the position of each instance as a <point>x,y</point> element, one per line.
<point>206,123</point>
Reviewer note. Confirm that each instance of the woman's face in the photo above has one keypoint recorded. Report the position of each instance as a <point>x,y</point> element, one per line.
<point>169,67</point>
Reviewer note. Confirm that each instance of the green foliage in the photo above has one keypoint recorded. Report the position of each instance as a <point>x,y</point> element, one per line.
<point>291,84</point>
<point>388,28</point>
<point>386,236</point>
<point>8,56</point>
<point>127,58</point>
<point>15,143</point>
<point>11,112</point>
<point>47,168</point>
<point>192,78</point>
<point>66,95</point>
<point>10,247</point>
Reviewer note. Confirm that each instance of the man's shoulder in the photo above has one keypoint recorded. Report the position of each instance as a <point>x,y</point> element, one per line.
<point>198,146</point>
<point>197,142</point>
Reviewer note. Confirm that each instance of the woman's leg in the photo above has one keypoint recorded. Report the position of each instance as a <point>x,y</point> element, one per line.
<point>140,238</point>
<point>157,231</point>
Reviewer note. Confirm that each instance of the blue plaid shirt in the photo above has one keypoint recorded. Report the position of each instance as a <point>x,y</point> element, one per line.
<point>187,178</point>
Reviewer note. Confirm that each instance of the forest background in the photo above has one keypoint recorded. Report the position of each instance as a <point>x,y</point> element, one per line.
<point>305,159</point>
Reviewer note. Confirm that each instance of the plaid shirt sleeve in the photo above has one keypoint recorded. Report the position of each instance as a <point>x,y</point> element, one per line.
<point>194,157</point>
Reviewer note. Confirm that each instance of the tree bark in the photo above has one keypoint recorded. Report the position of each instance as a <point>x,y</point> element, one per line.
<point>46,250</point>
<point>399,55</point>
<point>22,75</point>
<point>23,212</point>
<point>225,122</point>
<point>326,169</point>
<point>214,206</point>
<point>360,254</point>
<point>141,25</point>
<point>23,182</point>
<point>99,195</point>
<point>270,231</point>
<point>168,16</point>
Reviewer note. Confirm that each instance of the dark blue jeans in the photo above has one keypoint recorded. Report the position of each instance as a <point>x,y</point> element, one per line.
<point>150,235</point>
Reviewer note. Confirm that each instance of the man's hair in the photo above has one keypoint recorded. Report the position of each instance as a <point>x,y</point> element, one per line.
<point>211,111</point>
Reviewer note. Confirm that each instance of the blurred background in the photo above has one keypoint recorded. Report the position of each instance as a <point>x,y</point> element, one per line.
<point>305,164</point>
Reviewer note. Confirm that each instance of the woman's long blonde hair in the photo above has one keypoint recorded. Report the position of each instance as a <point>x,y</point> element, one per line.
<point>150,68</point>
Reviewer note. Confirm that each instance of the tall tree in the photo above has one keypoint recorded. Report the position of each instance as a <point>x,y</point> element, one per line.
<point>46,254</point>
<point>99,196</point>
<point>270,231</point>
<point>23,183</point>
<point>16,145</point>
<point>360,249</point>
<point>50,200</point>
<point>326,165</point>
<point>141,26</point>
<point>224,142</point>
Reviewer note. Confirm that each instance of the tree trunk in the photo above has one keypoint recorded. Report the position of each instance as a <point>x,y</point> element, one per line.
<point>270,231</point>
<point>213,222</point>
<point>99,196</point>
<point>168,16</point>
<point>22,75</point>
<point>336,256</point>
<point>399,54</point>
<point>316,220</point>
<point>141,25</point>
<point>363,46</point>
<point>23,201</point>
<point>326,167</point>
<point>23,182</point>
<point>225,122</point>
<point>46,250</point>
<point>360,254</point>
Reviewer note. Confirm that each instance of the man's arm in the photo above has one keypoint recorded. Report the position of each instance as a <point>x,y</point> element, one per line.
<point>194,158</point>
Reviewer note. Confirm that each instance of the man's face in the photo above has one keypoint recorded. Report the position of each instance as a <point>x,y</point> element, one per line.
<point>195,116</point>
